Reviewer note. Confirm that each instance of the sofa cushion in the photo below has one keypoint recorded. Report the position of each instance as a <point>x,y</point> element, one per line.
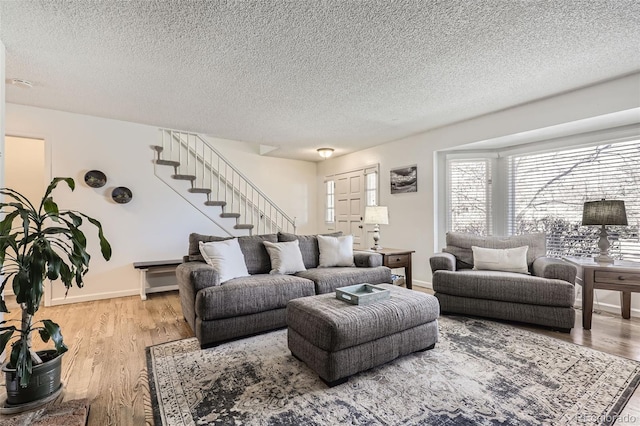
<point>504,286</point>
<point>250,295</point>
<point>328,279</point>
<point>459,244</point>
<point>255,254</point>
<point>226,258</point>
<point>285,257</point>
<point>507,260</point>
<point>308,246</point>
<point>335,251</point>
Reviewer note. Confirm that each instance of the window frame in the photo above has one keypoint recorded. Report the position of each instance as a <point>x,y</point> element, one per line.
<point>488,187</point>
<point>502,189</point>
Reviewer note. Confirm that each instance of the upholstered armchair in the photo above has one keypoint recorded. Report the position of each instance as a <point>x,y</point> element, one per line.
<point>542,293</point>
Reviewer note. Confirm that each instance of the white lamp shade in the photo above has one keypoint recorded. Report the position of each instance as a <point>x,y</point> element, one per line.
<point>376,215</point>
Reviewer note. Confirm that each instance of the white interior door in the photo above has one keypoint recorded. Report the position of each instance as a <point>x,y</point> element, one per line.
<point>350,204</point>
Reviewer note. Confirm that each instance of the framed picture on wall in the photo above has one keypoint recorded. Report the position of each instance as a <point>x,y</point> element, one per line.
<point>404,179</point>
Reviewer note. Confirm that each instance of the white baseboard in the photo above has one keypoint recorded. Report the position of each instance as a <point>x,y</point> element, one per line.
<point>94,296</point>
<point>423,284</point>
<point>607,307</point>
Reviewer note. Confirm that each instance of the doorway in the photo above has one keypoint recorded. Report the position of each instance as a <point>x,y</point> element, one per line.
<point>25,171</point>
<point>354,190</point>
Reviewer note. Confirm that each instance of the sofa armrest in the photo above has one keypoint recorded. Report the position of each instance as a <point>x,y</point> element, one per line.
<point>193,277</point>
<point>442,262</point>
<point>549,267</point>
<point>197,275</point>
<point>367,260</point>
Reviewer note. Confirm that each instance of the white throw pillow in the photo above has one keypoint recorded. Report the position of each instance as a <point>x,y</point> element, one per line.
<point>226,258</point>
<point>335,251</point>
<point>507,260</point>
<point>286,257</point>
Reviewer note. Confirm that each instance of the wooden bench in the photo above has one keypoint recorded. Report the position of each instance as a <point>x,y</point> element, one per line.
<point>155,267</point>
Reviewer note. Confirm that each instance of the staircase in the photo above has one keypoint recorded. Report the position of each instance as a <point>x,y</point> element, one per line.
<point>194,169</point>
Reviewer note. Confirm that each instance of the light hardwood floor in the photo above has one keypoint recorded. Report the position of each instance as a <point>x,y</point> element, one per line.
<point>106,361</point>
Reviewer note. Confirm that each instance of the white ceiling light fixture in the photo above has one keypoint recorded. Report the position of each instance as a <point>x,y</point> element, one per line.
<point>23,84</point>
<point>325,152</point>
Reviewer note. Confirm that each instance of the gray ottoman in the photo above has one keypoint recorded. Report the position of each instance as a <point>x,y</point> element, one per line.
<point>337,339</point>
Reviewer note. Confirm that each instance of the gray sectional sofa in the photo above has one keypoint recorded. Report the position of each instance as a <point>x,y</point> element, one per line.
<point>249,305</point>
<point>545,296</point>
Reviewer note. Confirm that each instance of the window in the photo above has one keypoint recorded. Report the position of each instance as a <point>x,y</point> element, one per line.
<point>549,190</point>
<point>545,192</point>
<point>469,196</point>
<point>371,188</point>
<point>330,210</point>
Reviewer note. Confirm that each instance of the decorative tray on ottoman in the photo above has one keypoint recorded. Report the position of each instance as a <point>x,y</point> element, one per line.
<point>362,294</point>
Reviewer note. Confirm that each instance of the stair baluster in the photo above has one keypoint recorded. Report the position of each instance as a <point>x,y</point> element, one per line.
<point>224,185</point>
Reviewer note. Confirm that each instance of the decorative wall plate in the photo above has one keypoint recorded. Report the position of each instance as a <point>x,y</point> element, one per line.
<point>95,178</point>
<point>121,195</point>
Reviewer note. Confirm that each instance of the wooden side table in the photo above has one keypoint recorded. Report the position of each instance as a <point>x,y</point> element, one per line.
<point>620,276</point>
<point>155,267</point>
<point>397,258</point>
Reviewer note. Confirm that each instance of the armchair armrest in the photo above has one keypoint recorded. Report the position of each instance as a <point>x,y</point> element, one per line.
<point>442,261</point>
<point>549,267</point>
<point>367,260</point>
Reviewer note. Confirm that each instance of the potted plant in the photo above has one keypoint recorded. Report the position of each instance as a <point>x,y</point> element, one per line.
<point>45,243</point>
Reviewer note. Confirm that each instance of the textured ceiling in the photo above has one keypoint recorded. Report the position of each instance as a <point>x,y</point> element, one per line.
<point>303,74</point>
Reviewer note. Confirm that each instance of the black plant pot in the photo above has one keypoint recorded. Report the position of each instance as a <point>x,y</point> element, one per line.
<point>44,381</point>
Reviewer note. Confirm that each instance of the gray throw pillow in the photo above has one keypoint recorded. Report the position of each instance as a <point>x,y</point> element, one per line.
<point>194,245</point>
<point>308,246</point>
<point>255,254</point>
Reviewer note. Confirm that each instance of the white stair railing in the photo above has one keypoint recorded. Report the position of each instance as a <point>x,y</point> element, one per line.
<point>211,171</point>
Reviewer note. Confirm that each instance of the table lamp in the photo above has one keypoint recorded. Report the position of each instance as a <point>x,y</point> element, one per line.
<point>602,213</point>
<point>376,215</point>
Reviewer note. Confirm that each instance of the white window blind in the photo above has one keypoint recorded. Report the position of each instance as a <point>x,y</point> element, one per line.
<point>548,190</point>
<point>469,196</point>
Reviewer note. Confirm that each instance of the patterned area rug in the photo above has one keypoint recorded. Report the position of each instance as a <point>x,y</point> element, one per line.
<point>480,373</point>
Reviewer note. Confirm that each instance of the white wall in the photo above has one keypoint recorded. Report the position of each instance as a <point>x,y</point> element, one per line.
<point>412,216</point>
<point>155,225</point>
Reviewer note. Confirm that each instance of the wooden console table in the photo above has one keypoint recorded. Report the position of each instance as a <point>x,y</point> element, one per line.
<point>397,258</point>
<point>155,267</point>
<point>620,276</point>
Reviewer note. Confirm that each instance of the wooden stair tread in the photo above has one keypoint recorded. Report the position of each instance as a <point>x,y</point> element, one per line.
<point>199,190</point>
<point>236,215</point>
<point>168,163</point>
<point>215,203</point>
<point>184,177</point>
<point>243,226</point>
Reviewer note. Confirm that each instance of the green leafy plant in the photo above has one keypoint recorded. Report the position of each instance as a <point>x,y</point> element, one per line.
<point>47,244</point>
